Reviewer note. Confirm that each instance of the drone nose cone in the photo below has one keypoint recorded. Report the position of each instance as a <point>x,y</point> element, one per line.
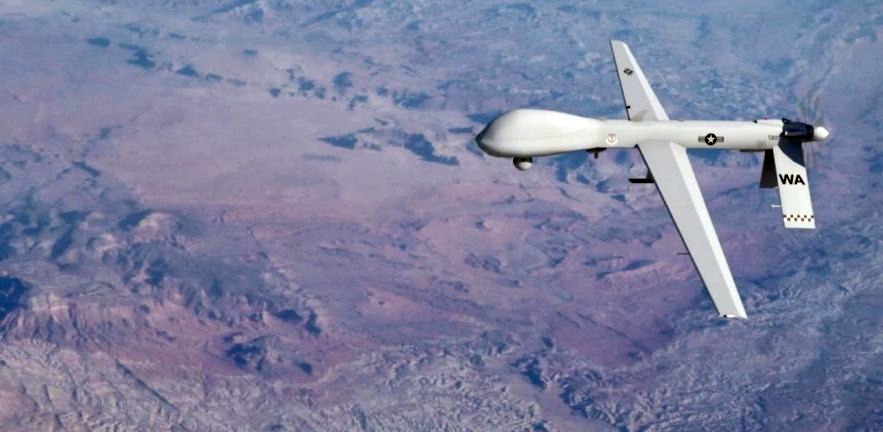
<point>820,133</point>
<point>488,140</point>
<point>482,139</point>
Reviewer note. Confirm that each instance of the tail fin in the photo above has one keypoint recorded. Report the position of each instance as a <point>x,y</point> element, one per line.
<point>790,172</point>
<point>768,172</point>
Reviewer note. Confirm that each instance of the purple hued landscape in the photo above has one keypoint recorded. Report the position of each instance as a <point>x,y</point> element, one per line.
<point>270,215</point>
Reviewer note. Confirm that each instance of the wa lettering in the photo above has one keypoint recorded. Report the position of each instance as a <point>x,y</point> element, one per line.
<point>791,179</point>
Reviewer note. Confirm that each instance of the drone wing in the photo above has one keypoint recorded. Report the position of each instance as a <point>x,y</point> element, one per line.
<point>671,170</point>
<point>641,103</point>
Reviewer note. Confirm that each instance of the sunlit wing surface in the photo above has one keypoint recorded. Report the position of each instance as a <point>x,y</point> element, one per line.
<point>641,103</point>
<point>670,167</point>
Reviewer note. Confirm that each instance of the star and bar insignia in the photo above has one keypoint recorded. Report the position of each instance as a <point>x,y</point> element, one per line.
<point>711,139</point>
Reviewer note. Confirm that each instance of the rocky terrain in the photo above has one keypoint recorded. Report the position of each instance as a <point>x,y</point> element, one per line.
<point>270,215</point>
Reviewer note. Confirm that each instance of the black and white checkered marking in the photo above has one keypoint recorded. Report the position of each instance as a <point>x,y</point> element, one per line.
<point>798,217</point>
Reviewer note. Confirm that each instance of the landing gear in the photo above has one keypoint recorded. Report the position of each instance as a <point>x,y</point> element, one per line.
<point>596,151</point>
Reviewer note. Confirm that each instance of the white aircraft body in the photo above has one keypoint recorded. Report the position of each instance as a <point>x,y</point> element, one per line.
<point>527,133</point>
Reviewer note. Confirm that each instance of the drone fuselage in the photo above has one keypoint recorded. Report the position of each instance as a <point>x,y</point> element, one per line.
<point>531,132</point>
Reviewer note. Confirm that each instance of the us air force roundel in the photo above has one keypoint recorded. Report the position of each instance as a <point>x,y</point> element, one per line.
<point>628,71</point>
<point>711,139</point>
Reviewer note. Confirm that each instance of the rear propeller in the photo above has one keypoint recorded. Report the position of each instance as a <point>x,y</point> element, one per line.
<point>810,137</point>
<point>799,141</point>
<point>804,132</point>
<point>809,109</point>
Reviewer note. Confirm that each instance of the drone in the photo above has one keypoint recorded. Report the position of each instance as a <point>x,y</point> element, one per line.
<point>524,134</point>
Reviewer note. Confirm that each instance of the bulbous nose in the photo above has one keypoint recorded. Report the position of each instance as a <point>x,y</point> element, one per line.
<point>819,133</point>
<point>479,139</point>
<point>535,132</point>
<point>485,140</point>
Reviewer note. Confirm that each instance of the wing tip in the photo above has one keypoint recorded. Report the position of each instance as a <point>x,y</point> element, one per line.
<point>736,311</point>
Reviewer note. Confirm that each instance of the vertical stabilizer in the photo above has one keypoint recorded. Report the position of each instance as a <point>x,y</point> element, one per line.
<point>793,185</point>
<point>768,172</point>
